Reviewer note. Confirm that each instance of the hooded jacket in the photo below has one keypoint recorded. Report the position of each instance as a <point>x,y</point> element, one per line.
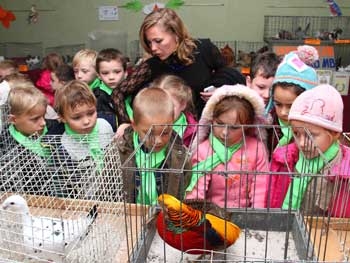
<point>240,182</point>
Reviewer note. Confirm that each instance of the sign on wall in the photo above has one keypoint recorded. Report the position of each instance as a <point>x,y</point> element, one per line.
<point>108,13</point>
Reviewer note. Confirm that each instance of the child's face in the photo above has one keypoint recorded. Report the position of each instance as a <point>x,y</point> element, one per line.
<point>283,99</point>
<point>111,73</point>
<point>322,137</point>
<point>85,71</point>
<point>31,122</point>
<point>261,85</point>
<point>228,135</point>
<point>160,133</point>
<point>81,119</point>
<point>5,72</point>
<point>55,83</point>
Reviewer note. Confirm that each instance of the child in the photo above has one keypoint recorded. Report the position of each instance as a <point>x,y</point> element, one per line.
<point>150,136</point>
<point>262,74</point>
<point>7,67</point>
<point>61,76</point>
<point>111,69</point>
<point>20,145</point>
<point>293,76</point>
<point>84,63</point>
<point>181,96</point>
<point>50,63</point>
<point>223,145</point>
<point>85,136</point>
<point>316,117</point>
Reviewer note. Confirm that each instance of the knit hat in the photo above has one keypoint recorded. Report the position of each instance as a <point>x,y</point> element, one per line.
<point>321,106</point>
<point>296,69</point>
<point>225,91</point>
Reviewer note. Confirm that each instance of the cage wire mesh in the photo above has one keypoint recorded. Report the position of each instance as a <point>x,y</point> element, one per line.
<point>76,209</point>
<point>306,233</point>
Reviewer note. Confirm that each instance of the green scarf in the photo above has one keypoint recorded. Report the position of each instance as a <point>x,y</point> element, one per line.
<point>92,140</point>
<point>95,83</point>
<point>33,145</point>
<point>286,132</point>
<point>180,125</point>
<point>105,88</point>
<point>128,107</point>
<point>307,166</point>
<point>221,154</point>
<point>145,162</point>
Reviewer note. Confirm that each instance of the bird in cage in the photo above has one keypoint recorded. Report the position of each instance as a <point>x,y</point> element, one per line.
<point>43,237</point>
<point>194,225</point>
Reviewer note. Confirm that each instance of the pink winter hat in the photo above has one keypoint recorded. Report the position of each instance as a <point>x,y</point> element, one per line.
<point>321,106</point>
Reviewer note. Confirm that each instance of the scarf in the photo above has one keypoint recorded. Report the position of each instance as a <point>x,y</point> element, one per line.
<point>95,83</point>
<point>145,162</point>
<point>128,107</point>
<point>286,132</point>
<point>92,140</point>
<point>221,154</point>
<point>307,166</point>
<point>180,125</point>
<point>32,144</point>
<point>103,86</point>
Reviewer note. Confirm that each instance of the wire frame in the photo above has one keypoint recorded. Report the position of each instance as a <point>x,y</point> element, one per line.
<point>76,194</point>
<point>269,233</point>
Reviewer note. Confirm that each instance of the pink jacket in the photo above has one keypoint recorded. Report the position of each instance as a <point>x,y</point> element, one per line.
<point>190,130</point>
<point>243,190</point>
<point>339,205</point>
<point>44,85</point>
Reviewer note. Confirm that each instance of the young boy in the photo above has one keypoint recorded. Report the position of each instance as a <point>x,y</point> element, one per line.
<point>156,148</point>
<point>21,150</point>
<point>111,69</point>
<point>7,67</point>
<point>61,76</point>
<point>262,74</point>
<point>80,149</point>
<point>83,64</point>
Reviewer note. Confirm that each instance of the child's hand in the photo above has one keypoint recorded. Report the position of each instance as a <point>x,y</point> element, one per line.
<point>120,130</point>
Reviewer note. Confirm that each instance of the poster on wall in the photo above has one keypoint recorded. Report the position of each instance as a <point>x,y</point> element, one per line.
<point>108,13</point>
<point>324,76</point>
<point>341,82</point>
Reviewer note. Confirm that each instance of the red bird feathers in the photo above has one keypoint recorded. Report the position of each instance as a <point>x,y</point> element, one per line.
<point>191,230</point>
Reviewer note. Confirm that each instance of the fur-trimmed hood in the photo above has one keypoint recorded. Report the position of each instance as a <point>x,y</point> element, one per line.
<point>221,93</point>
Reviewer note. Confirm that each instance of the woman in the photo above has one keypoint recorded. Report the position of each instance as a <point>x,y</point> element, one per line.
<point>174,51</point>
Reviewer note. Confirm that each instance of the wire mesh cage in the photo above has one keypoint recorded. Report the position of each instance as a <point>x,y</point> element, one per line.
<point>70,200</point>
<point>313,230</point>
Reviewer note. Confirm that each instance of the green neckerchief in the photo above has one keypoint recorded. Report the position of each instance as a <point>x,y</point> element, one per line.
<point>95,83</point>
<point>92,140</point>
<point>307,166</point>
<point>287,133</point>
<point>105,88</point>
<point>221,154</point>
<point>32,144</point>
<point>128,107</point>
<point>146,162</point>
<point>180,125</point>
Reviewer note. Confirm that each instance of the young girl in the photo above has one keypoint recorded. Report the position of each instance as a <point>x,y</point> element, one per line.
<point>21,150</point>
<point>230,155</point>
<point>316,117</point>
<point>85,137</point>
<point>50,63</point>
<point>181,96</point>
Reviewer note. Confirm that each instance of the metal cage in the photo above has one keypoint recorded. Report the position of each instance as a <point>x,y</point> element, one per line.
<point>306,233</point>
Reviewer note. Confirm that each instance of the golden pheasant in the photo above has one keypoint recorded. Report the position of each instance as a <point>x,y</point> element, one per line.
<point>191,230</point>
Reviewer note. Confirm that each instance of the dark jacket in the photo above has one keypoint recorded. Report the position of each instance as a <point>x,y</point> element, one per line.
<point>105,107</point>
<point>177,167</point>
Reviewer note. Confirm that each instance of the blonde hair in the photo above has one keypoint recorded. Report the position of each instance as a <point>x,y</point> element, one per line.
<point>177,87</point>
<point>85,54</point>
<point>8,64</point>
<point>172,23</point>
<point>150,102</point>
<point>73,94</point>
<point>23,99</point>
<point>18,80</point>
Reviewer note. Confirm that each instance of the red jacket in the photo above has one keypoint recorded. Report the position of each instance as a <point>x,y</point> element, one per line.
<point>44,85</point>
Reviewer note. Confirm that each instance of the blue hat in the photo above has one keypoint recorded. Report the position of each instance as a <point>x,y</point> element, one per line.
<point>293,70</point>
